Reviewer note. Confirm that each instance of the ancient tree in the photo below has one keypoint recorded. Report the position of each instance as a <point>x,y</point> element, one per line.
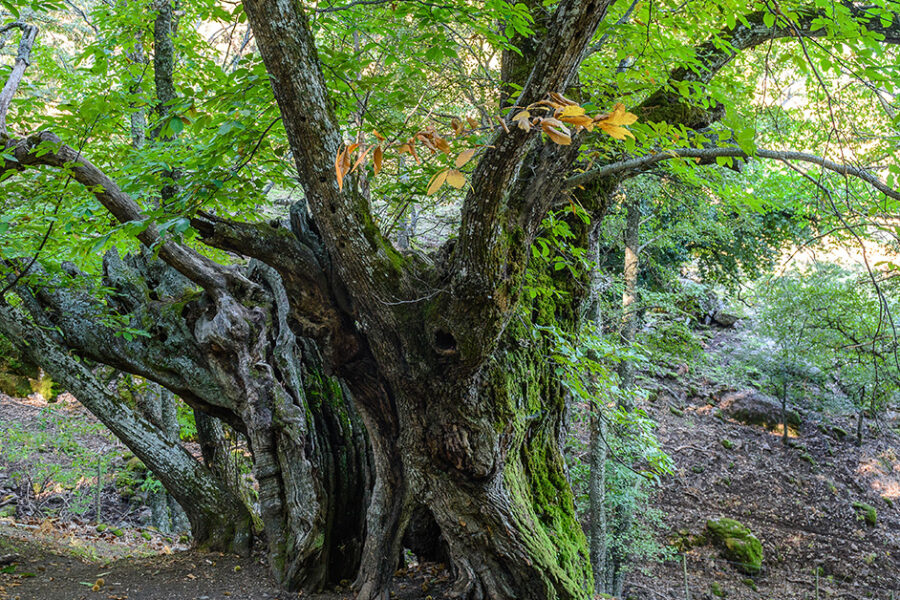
<point>370,380</point>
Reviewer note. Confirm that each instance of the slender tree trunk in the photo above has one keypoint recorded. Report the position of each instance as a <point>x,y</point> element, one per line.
<point>630,276</point>
<point>599,533</point>
<point>860,418</point>
<point>784,417</point>
<point>622,517</point>
<point>597,491</point>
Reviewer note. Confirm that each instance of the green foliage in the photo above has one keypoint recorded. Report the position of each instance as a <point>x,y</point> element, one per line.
<point>827,319</point>
<point>187,427</point>
<point>726,227</point>
<point>49,456</point>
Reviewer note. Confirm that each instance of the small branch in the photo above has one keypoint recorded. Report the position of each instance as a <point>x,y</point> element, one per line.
<point>23,59</point>
<point>640,163</point>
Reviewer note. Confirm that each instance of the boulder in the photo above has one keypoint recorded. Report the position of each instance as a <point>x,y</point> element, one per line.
<point>725,319</point>
<point>753,408</point>
<point>739,545</point>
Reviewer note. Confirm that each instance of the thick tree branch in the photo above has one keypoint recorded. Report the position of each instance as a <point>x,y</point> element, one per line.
<point>46,148</point>
<point>208,504</point>
<point>641,163</point>
<point>23,57</point>
<point>288,48</point>
<point>722,48</point>
<point>319,304</point>
<point>480,261</point>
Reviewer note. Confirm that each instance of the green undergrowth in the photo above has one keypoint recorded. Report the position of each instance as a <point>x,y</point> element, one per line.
<point>51,454</point>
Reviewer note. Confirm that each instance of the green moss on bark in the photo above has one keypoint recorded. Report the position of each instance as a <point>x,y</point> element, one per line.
<point>529,404</point>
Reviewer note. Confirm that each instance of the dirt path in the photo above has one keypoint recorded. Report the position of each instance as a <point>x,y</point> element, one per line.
<point>798,500</point>
<point>41,574</point>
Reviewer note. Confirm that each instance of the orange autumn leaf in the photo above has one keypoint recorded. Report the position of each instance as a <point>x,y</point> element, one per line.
<point>464,157</point>
<point>377,159</point>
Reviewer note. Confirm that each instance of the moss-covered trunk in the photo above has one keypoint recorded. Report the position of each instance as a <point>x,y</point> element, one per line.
<point>484,455</point>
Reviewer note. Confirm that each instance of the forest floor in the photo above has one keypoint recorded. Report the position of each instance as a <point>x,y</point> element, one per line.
<point>798,500</point>
<point>51,547</point>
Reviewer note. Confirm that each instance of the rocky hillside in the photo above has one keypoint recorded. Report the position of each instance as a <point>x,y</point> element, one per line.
<point>826,511</point>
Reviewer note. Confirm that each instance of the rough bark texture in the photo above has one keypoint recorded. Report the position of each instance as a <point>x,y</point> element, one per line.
<point>23,56</point>
<point>218,519</point>
<point>241,363</point>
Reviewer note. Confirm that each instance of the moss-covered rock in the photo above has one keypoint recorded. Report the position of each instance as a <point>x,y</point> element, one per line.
<point>839,432</point>
<point>739,544</point>
<point>867,513</point>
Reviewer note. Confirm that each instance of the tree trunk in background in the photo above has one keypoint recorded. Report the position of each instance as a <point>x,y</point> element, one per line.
<point>784,417</point>
<point>599,534</point>
<point>158,406</point>
<point>860,419</point>
<point>630,273</point>
<point>622,517</point>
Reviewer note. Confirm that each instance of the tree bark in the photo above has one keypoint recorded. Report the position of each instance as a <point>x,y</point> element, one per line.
<point>218,519</point>
<point>239,361</point>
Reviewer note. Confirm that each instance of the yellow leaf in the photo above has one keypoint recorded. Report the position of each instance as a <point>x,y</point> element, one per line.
<point>472,122</point>
<point>380,137</point>
<point>557,136</point>
<point>456,179</point>
<point>522,115</point>
<point>579,121</point>
<point>619,133</point>
<point>456,125</point>
<point>360,160</point>
<point>377,159</point>
<point>426,141</point>
<point>437,181</point>
<point>620,116</point>
<point>524,124</point>
<point>572,110</point>
<point>464,157</point>
<point>557,131</point>
<point>345,166</point>
<point>551,122</point>
<point>442,144</point>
